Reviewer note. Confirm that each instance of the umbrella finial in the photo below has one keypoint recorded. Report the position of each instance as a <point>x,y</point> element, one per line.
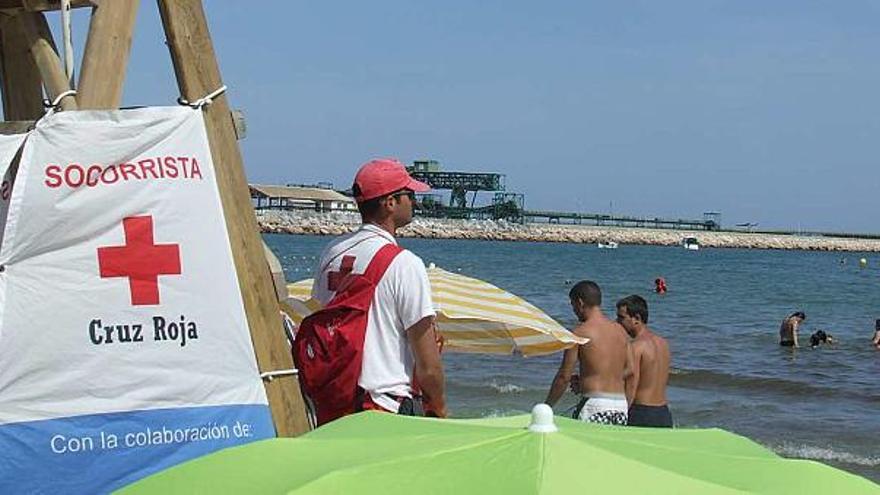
<point>542,419</point>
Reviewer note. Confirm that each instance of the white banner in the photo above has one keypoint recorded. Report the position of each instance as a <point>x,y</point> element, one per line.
<point>124,346</point>
<point>9,146</point>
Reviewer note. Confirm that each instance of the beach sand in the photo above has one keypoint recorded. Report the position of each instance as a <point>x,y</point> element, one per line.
<point>336,223</point>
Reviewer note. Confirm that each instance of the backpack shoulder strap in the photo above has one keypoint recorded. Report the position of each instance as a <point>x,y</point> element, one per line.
<point>381,261</point>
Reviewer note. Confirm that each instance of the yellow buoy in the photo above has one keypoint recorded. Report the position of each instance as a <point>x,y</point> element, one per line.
<point>863,262</point>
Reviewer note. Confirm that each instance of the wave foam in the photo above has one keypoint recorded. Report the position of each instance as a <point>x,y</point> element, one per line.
<point>506,388</point>
<point>824,454</point>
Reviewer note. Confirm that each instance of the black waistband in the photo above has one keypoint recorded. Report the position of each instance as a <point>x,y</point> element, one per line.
<point>406,405</point>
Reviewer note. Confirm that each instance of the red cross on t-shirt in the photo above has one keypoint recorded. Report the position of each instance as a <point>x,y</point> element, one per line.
<point>334,279</point>
<point>140,260</point>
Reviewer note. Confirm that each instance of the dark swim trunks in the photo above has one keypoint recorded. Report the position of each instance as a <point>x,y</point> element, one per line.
<point>787,343</point>
<point>655,416</point>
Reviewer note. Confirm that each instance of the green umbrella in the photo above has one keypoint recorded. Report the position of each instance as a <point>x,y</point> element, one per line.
<point>383,453</point>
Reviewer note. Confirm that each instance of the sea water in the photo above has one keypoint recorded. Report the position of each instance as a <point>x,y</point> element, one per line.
<point>721,317</point>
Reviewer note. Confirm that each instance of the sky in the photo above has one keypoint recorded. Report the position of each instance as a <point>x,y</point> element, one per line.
<point>764,111</point>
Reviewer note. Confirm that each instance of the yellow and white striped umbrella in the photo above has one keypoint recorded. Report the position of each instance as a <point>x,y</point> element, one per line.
<point>473,316</point>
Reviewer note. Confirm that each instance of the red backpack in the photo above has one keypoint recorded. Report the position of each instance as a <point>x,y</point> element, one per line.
<point>329,345</point>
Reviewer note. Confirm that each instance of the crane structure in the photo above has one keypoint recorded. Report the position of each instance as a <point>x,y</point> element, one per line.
<point>504,205</point>
<point>458,183</point>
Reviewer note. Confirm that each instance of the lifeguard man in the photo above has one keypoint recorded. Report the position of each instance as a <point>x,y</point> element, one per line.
<point>400,342</point>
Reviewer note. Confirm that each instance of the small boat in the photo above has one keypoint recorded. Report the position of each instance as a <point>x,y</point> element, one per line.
<point>606,245</point>
<point>690,243</point>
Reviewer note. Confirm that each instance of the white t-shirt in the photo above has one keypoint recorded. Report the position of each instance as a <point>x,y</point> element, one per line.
<point>402,298</point>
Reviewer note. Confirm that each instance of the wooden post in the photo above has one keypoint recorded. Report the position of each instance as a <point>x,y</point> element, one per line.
<point>42,47</point>
<point>16,126</point>
<point>198,74</point>
<point>21,84</point>
<point>102,72</point>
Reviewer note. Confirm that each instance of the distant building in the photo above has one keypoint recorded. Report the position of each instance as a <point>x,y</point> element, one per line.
<point>426,166</point>
<point>298,197</point>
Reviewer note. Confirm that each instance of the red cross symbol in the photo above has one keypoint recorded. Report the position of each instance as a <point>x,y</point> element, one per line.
<point>334,279</point>
<point>140,260</point>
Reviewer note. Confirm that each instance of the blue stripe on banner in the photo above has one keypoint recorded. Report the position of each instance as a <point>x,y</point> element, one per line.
<point>98,453</point>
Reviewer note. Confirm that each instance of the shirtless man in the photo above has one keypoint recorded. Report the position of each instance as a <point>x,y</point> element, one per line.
<point>788,330</point>
<point>876,339</point>
<point>649,370</point>
<point>602,361</point>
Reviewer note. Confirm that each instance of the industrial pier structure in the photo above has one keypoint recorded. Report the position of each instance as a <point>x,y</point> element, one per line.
<point>506,206</point>
<point>511,206</point>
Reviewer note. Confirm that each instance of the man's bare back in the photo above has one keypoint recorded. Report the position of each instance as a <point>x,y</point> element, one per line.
<point>788,330</point>
<point>651,351</point>
<point>648,366</point>
<point>600,364</point>
<point>603,359</point>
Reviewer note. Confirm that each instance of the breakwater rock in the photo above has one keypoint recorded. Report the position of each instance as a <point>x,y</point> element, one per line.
<point>336,223</point>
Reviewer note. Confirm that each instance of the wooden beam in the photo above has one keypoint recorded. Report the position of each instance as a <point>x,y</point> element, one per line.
<point>198,74</point>
<point>42,47</point>
<point>16,126</point>
<point>19,77</point>
<point>43,5</point>
<point>277,272</point>
<point>106,55</point>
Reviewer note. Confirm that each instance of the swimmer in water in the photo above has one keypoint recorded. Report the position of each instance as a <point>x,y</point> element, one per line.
<point>660,285</point>
<point>820,337</point>
<point>788,330</point>
<point>876,339</point>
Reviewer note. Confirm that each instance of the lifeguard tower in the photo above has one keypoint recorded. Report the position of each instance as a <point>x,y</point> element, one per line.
<point>34,77</point>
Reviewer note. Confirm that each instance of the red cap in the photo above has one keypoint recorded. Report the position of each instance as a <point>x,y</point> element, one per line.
<point>384,176</point>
